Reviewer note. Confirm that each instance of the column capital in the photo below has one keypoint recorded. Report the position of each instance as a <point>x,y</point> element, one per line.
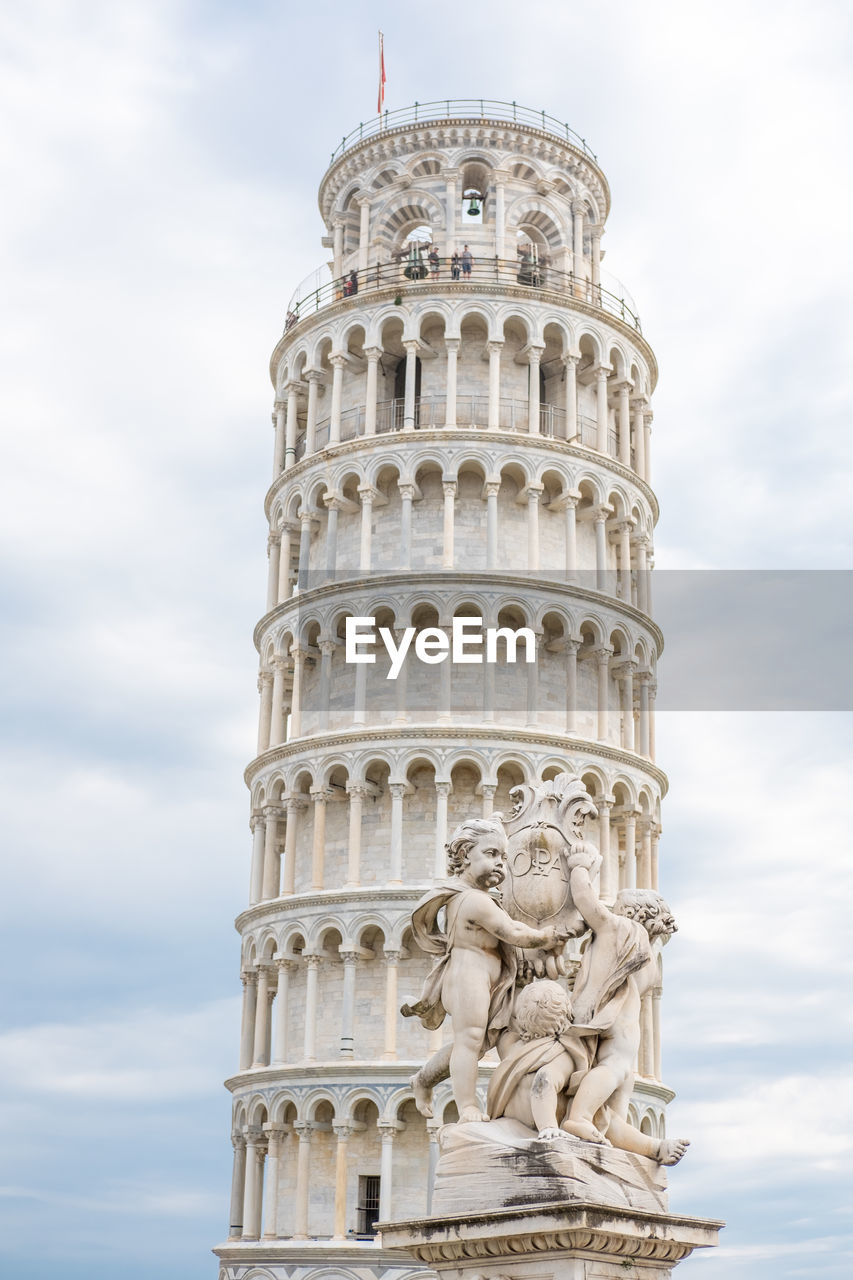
<point>296,803</point>
<point>373,353</point>
<point>320,795</point>
<point>603,371</point>
<point>449,488</point>
<point>443,788</point>
<point>398,789</point>
<point>293,387</point>
<point>488,789</point>
<point>392,955</point>
<point>624,384</point>
<point>368,494</point>
<point>358,789</point>
<point>491,488</point>
<point>534,352</point>
<point>603,654</point>
<point>238,1139</point>
<point>349,955</point>
<point>343,1130</point>
<point>255,1136</point>
<point>314,375</point>
<point>624,668</point>
<point>579,206</point>
<point>406,491</point>
<point>312,959</point>
<point>327,646</point>
<point>601,513</point>
<point>303,1130</point>
<point>338,359</point>
<point>264,678</point>
<point>284,964</point>
<point>388,1129</point>
<point>452,344</point>
<point>273,811</point>
<point>495,346</point>
<point>249,977</point>
<point>273,539</point>
<point>570,359</point>
<point>644,676</point>
<point>412,346</point>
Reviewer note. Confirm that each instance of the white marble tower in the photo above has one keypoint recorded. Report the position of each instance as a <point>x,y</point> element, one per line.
<point>449,442</point>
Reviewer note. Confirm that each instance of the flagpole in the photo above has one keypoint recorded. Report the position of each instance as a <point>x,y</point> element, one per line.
<point>381,96</point>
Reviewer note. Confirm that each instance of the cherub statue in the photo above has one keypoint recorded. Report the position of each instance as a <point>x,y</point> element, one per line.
<point>545,1058</point>
<point>618,968</point>
<point>474,979</point>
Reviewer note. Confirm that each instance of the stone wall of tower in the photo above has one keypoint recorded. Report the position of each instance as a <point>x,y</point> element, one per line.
<point>442,448</point>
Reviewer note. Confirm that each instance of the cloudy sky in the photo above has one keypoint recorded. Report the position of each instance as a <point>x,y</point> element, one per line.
<point>159,165</point>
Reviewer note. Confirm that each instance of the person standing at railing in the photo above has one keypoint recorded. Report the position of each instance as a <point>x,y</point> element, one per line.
<point>467,262</point>
<point>434,261</point>
<point>454,265</point>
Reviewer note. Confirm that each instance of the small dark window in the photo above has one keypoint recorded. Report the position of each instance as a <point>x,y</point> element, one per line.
<point>368,1205</point>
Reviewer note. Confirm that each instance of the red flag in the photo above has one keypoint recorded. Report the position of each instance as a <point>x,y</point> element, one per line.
<point>381,101</point>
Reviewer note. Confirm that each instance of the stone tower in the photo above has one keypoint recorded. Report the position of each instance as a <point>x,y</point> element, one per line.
<point>452,440</point>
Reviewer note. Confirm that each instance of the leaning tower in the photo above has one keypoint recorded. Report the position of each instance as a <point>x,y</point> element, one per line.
<point>454,438</point>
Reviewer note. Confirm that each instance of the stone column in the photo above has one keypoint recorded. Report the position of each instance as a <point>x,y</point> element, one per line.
<point>311,982</point>
<point>238,1186</point>
<point>609,881</point>
<point>533,684</point>
<point>643,678</point>
<point>500,213</point>
<point>389,1053</point>
<point>249,979</point>
<point>534,355</point>
<point>401,710</point>
<point>572,647</point>
<point>624,421</point>
<point>255,1150</point>
<point>278,451</point>
<point>442,791</point>
<point>374,355</point>
<point>411,346</point>
<point>275,1138</point>
<point>256,879</point>
<point>449,488</point>
<point>630,850</point>
<point>489,692</point>
<point>656,995</point>
<point>570,364</point>
<point>343,1133</point>
<point>626,676</point>
<point>450,176</point>
<point>494,350</point>
<point>282,996</point>
<point>570,507</point>
<point>601,415</point>
<point>337,249</point>
<point>333,506</point>
<point>356,792</point>
<point>647,446</point>
<point>638,405</point>
<point>488,791</point>
<point>534,494</point>
<point>294,806</point>
<point>599,516</point>
<point>262,1015</point>
<point>359,705</point>
<point>273,560</point>
<point>363,232</point>
<point>327,648</point>
<point>491,489</point>
<point>272,862</point>
<point>386,1169</point>
<point>350,959</point>
<point>623,529</point>
<point>652,692</point>
<point>602,657</point>
<point>319,795</point>
<point>647,1037</point>
<point>595,237</point>
<point>298,656</point>
<point>277,717</point>
<point>644,861</point>
<point>433,1127</point>
<point>306,520</point>
<point>578,209</point>
<point>338,362</point>
<point>641,543</point>
<point>407,493</point>
<point>291,424</point>
<point>303,1176</point>
<point>452,347</point>
<point>313,377</point>
<point>265,718</point>
<point>654,856</point>
<point>398,790</point>
<point>368,496</point>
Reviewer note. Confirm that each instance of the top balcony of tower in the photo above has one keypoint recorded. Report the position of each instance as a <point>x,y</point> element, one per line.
<point>512,188</point>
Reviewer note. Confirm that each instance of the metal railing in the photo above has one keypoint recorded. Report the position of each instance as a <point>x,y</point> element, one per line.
<point>462,109</point>
<point>484,271</point>
<point>472,411</point>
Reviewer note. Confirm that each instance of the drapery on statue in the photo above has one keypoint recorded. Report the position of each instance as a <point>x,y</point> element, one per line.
<point>564,1073</point>
<point>474,979</point>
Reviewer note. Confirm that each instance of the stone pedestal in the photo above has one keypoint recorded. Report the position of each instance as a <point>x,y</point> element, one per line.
<point>565,1241</point>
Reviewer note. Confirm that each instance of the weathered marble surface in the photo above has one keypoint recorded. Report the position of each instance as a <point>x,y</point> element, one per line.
<point>500,1164</point>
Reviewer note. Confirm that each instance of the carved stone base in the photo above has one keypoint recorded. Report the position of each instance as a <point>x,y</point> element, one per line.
<point>563,1241</point>
<point>501,1164</point>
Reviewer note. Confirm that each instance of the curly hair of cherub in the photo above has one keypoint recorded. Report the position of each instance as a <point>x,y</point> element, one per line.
<point>542,1008</point>
<point>459,845</point>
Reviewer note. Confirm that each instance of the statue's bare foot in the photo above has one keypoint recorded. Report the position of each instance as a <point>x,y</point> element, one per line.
<point>671,1150</point>
<point>470,1115</point>
<point>586,1129</point>
<point>550,1135</point>
<point>423,1095</point>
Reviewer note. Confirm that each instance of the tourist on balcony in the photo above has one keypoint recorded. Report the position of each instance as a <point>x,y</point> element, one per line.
<point>454,265</point>
<point>434,261</point>
<point>467,262</point>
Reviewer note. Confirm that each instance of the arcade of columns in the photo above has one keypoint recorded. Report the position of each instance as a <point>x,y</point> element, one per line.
<point>444,448</point>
